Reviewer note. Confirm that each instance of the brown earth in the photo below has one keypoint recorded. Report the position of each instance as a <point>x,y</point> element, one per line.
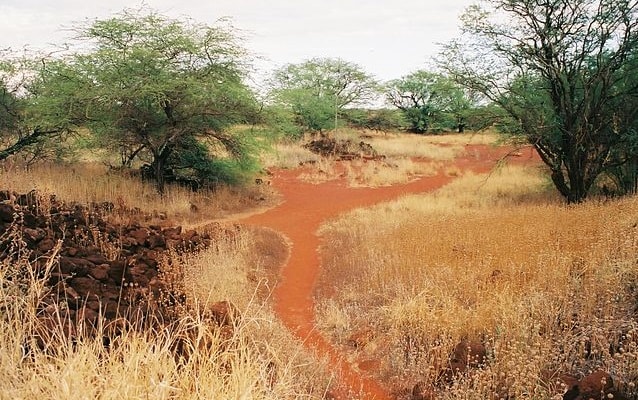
<point>304,208</point>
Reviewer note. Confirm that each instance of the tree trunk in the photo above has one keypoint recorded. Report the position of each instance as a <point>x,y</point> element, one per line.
<point>572,182</point>
<point>159,168</point>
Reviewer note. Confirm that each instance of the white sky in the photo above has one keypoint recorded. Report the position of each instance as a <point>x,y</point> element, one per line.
<point>387,38</point>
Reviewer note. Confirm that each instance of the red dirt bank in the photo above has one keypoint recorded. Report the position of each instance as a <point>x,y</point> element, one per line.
<point>306,206</point>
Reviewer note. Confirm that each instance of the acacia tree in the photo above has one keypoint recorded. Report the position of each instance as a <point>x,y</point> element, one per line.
<point>152,84</point>
<point>29,118</point>
<point>425,98</point>
<point>318,89</point>
<point>623,165</point>
<point>559,68</point>
<point>413,94</point>
<point>455,104</point>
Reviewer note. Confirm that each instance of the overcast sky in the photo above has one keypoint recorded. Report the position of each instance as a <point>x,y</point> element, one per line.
<point>387,38</point>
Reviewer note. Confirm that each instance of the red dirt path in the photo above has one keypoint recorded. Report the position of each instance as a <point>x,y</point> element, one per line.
<point>305,207</point>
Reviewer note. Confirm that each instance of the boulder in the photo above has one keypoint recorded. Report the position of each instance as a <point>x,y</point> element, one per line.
<point>46,245</point>
<point>467,354</point>
<point>595,385</point>
<point>224,313</point>
<point>75,266</point>
<point>100,272</point>
<point>6,212</point>
<point>139,236</point>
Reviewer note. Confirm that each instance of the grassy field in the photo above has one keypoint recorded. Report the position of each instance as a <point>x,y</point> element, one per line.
<point>548,289</point>
<point>257,359</point>
<point>88,182</point>
<point>497,259</point>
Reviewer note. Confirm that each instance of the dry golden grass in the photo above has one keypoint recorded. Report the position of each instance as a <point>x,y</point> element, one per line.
<point>462,139</point>
<point>242,266</point>
<point>288,155</point>
<point>368,173</point>
<point>417,146</point>
<point>93,182</point>
<point>323,170</point>
<point>375,173</point>
<point>260,360</point>
<point>547,288</point>
<point>398,167</point>
<point>434,147</point>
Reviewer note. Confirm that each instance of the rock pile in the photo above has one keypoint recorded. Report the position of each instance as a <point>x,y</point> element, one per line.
<point>99,267</point>
<point>342,149</point>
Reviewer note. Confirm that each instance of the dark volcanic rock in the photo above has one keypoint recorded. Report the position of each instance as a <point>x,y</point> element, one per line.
<point>6,213</point>
<point>97,273</point>
<point>75,266</point>
<point>466,355</point>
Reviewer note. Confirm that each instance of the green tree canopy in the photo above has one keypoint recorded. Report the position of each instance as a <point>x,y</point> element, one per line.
<point>145,83</point>
<point>318,89</point>
<point>428,99</point>
<point>27,122</point>
<point>561,69</point>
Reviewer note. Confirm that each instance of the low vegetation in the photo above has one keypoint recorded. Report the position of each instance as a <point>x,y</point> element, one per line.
<point>256,358</point>
<point>94,182</point>
<point>557,298</point>
<point>549,290</point>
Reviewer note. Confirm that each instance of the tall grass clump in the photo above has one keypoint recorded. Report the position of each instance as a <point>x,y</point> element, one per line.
<point>548,289</point>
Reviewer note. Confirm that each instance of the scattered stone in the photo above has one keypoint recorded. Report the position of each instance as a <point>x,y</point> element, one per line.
<point>597,385</point>
<point>100,272</point>
<point>96,259</point>
<point>156,241</point>
<point>224,313</point>
<point>6,213</point>
<point>466,355</point>
<point>46,245</point>
<point>75,266</point>
<point>570,383</point>
<point>139,236</point>
<point>342,149</point>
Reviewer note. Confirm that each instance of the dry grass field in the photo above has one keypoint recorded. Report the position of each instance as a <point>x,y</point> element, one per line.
<point>88,182</point>
<point>547,289</point>
<point>405,157</point>
<point>256,359</point>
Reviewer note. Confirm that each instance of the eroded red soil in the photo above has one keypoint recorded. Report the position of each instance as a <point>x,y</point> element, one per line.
<point>304,208</point>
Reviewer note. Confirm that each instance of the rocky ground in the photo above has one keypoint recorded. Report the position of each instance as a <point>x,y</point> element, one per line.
<point>342,149</point>
<point>97,271</point>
